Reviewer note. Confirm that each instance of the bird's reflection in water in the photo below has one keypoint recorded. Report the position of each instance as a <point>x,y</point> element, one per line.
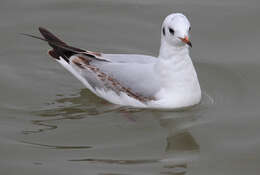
<point>181,148</point>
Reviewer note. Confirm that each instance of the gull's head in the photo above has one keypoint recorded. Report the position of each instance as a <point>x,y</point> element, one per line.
<point>176,30</point>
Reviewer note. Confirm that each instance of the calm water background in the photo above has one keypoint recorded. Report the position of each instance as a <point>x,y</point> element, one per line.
<point>51,124</point>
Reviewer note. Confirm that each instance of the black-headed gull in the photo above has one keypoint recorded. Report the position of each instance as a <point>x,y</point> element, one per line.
<point>166,81</point>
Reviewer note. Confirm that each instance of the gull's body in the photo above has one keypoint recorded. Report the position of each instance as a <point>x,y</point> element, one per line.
<point>166,81</point>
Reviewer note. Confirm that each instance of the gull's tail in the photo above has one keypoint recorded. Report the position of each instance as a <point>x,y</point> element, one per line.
<point>59,48</point>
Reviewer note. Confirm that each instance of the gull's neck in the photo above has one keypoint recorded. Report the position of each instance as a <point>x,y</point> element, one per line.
<point>174,64</point>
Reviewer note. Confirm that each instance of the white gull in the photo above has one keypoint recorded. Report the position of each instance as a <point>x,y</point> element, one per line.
<point>166,81</point>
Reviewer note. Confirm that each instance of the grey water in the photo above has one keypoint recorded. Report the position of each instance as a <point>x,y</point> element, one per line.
<point>51,124</point>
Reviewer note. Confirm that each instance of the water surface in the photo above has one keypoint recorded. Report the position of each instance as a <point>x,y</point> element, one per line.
<point>51,124</point>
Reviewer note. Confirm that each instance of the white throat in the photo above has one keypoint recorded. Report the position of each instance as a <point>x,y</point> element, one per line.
<point>179,82</point>
<point>170,52</point>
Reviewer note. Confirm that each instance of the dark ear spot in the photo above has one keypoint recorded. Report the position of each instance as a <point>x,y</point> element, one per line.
<point>163,31</point>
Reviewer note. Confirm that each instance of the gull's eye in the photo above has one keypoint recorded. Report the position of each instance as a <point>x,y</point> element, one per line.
<point>171,31</point>
<point>189,28</point>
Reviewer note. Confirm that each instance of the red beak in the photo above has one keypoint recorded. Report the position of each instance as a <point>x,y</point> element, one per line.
<point>186,40</point>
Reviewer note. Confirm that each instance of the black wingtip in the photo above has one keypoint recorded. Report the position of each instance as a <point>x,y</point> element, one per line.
<point>49,36</point>
<point>60,48</point>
